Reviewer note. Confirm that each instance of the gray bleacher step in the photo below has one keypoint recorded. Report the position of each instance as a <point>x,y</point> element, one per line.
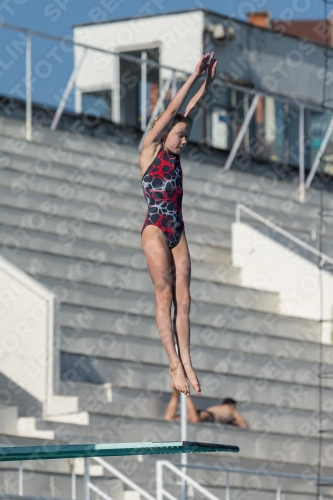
<point>223,272</point>
<point>103,199</point>
<point>221,361</point>
<point>268,184</point>
<point>267,446</point>
<point>14,240</point>
<point>81,316</point>
<point>285,351</point>
<point>152,377</point>
<point>107,239</point>
<point>301,219</point>
<point>116,279</point>
<point>198,197</point>
<point>116,401</point>
<point>252,196</point>
<point>135,303</point>
<point>70,140</point>
<point>131,201</point>
<point>202,195</point>
<point>100,241</point>
<point>129,214</point>
<point>212,237</point>
<point>74,142</point>
<point>194,212</point>
<point>288,219</point>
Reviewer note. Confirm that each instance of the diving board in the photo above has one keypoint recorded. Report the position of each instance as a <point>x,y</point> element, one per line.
<point>13,453</point>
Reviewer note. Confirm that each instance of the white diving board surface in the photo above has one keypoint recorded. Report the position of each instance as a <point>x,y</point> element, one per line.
<point>13,453</point>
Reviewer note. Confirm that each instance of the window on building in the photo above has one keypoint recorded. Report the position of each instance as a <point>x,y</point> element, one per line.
<point>97,103</point>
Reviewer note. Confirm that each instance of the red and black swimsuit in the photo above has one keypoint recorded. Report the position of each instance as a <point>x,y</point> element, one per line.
<point>162,186</point>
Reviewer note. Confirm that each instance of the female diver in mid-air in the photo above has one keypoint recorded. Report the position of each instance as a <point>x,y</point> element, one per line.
<point>163,237</point>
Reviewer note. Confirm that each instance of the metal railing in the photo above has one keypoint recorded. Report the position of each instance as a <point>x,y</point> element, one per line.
<point>176,468</point>
<point>143,62</point>
<point>328,481</point>
<point>124,478</point>
<point>87,484</point>
<point>161,492</point>
<point>278,229</point>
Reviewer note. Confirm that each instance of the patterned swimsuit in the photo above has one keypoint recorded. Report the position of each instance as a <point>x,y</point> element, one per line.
<point>162,186</point>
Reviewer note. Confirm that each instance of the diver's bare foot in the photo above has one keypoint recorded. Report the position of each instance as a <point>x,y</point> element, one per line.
<point>178,376</point>
<point>192,377</point>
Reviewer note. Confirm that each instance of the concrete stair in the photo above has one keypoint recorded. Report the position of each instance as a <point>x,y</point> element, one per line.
<point>297,450</point>
<point>71,214</point>
<point>153,377</point>
<point>111,279</point>
<point>111,400</point>
<point>66,154</point>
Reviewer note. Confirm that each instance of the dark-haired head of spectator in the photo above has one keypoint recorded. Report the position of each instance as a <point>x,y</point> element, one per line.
<point>229,401</point>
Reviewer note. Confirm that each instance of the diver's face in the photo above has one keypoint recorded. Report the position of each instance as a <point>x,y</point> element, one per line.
<point>177,138</point>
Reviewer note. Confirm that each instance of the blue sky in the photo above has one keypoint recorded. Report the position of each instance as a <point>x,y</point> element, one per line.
<point>57,17</point>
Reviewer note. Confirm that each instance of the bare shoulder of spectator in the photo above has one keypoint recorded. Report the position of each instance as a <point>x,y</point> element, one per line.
<point>239,420</point>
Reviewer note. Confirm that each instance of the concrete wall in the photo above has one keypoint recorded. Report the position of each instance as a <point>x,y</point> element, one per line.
<point>272,62</point>
<point>269,264</point>
<point>29,366</point>
<point>258,57</point>
<point>179,37</point>
<point>27,325</point>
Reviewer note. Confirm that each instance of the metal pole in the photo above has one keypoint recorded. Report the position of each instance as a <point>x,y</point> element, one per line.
<point>238,212</point>
<point>174,85</point>
<point>241,132</point>
<point>159,480</point>
<point>28,98</point>
<point>73,481</point>
<point>183,413</point>
<point>116,90</point>
<point>67,91</point>
<point>227,487</point>
<point>301,155</point>
<point>20,479</point>
<point>319,154</point>
<point>278,489</point>
<point>247,133</point>
<point>86,480</point>
<point>143,90</point>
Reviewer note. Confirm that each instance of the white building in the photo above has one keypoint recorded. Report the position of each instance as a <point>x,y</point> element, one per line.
<point>284,69</point>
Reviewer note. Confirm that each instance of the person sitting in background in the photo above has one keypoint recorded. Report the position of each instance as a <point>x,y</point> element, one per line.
<point>224,413</point>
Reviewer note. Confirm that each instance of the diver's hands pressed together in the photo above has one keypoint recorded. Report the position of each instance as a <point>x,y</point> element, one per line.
<point>207,63</point>
<point>212,65</point>
<point>202,66</point>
